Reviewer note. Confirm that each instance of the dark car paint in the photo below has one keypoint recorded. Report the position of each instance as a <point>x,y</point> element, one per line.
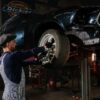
<point>78,19</point>
<point>24,24</point>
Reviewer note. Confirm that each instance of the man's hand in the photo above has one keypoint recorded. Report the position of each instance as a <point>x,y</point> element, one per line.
<point>46,58</point>
<point>48,44</point>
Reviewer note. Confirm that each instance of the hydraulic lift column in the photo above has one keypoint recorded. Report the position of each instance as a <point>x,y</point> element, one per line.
<point>85,78</point>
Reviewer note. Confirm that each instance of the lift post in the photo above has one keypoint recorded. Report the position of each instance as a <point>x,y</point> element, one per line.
<point>85,78</point>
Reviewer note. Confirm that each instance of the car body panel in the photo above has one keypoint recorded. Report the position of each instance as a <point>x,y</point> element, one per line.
<point>79,19</point>
<point>82,19</point>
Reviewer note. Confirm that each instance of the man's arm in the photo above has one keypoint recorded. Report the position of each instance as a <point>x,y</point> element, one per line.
<point>32,61</point>
<point>28,53</point>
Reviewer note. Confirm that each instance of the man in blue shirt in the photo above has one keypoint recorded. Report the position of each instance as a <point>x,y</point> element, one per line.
<point>11,67</point>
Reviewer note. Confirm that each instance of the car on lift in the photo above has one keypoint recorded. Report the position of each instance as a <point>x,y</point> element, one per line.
<point>69,30</point>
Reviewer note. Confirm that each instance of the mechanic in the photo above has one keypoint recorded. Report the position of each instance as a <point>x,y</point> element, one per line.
<point>11,67</point>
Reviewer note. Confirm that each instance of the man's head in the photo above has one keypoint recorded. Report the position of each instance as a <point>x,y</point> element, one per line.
<point>8,41</point>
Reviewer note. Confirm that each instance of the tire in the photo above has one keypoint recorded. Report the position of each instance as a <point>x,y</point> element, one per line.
<point>61,43</point>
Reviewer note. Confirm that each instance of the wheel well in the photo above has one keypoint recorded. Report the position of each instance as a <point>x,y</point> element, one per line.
<point>42,27</point>
<point>75,39</point>
<point>76,45</point>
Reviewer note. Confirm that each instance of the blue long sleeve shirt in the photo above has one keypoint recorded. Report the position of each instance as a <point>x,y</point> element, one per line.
<point>14,61</point>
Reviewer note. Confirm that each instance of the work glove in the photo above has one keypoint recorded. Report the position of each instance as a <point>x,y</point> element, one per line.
<point>48,44</point>
<point>47,57</point>
<point>39,50</point>
<point>45,49</point>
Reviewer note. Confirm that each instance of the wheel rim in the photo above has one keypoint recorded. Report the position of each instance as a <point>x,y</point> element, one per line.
<point>49,38</point>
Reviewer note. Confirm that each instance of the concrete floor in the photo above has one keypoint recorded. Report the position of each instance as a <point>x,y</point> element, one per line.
<point>50,94</point>
<point>59,94</point>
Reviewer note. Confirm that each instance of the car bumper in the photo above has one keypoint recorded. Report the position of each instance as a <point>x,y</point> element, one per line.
<point>91,41</point>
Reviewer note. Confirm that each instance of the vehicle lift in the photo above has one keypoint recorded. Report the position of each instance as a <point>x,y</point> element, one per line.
<point>85,76</point>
